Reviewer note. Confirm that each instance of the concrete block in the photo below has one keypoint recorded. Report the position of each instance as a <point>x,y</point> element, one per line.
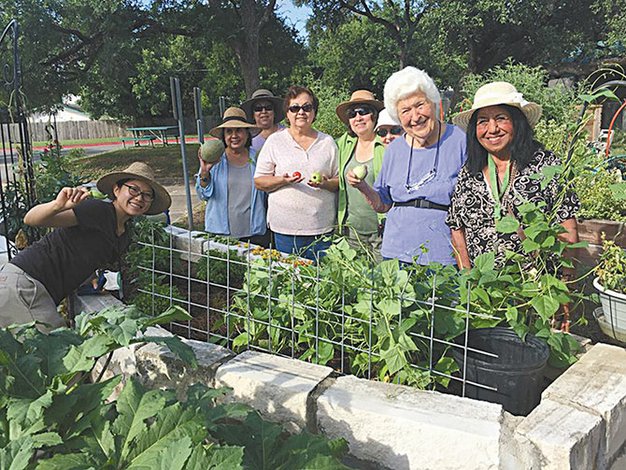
<point>157,367</point>
<point>277,387</point>
<point>404,428</point>
<point>562,437</point>
<point>94,303</point>
<point>190,243</point>
<point>597,384</point>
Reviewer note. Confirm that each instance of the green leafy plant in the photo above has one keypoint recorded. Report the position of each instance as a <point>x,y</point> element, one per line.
<point>376,317</point>
<point>51,417</point>
<point>611,269</point>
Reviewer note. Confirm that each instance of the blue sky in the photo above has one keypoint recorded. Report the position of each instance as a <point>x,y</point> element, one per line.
<point>295,16</point>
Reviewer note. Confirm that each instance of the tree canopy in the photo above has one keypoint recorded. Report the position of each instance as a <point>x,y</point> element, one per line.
<point>118,55</point>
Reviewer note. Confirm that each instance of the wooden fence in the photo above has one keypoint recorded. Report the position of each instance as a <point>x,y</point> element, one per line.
<point>80,130</point>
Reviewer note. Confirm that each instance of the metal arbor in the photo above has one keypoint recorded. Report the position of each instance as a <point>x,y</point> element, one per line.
<point>17,183</point>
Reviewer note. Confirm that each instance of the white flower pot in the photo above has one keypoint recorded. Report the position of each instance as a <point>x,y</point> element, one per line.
<point>613,306</point>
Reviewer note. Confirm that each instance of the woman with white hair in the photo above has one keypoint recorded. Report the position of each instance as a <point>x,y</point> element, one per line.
<point>418,174</point>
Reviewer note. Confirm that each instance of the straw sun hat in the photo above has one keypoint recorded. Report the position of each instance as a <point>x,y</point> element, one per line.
<point>142,172</point>
<point>264,95</point>
<point>497,93</point>
<point>233,117</point>
<point>364,97</point>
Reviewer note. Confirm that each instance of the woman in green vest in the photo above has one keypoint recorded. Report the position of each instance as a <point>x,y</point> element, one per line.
<point>360,149</point>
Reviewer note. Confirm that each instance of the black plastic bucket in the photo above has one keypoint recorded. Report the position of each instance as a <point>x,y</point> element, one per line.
<point>516,373</point>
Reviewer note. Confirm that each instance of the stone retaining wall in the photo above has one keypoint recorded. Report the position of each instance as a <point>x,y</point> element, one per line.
<point>579,424</point>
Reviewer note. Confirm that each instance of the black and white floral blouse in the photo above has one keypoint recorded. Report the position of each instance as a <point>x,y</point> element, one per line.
<point>472,205</point>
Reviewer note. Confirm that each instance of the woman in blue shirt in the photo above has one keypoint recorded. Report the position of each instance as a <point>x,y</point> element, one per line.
<point>418,174</point>
<point>235,208</point>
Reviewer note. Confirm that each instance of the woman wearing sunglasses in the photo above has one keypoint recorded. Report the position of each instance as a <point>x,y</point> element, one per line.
<point>359,146</point>
<point>266,111</point>
<point>418,173</point>
<point>89,234</point>
<point>298,169</point>
<point>387,129</point>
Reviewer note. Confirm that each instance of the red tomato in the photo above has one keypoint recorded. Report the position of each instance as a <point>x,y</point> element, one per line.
<point>296,174</point>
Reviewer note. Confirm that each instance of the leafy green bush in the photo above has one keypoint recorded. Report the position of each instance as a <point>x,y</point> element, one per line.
<point>611,269</point>
<point>51,418</point>
<point>224,269</point>
<point>558,102</point>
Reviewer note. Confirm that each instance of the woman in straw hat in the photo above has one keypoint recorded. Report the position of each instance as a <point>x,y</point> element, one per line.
<point>266,111</point>
<point>359,146</point>
<point>418,173</point>
<point>90,234</point>
<point>298,169</point>
<point>235,208</point>
<point>498,176</point>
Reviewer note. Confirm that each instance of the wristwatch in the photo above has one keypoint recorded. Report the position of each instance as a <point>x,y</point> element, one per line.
<point>204,179</point>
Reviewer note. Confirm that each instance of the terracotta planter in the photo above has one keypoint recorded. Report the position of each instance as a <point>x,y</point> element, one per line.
<point>591,231</point>
<point>613,306</point>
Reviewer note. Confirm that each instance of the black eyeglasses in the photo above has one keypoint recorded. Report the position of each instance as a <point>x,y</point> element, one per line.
<point>360,111</point>
<point>263,107</point>
<point>295,108</point>
<point>134,191</point>
<point>393,131</point>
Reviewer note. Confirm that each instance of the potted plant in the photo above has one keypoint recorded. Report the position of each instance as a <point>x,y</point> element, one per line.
<point>611,284</point>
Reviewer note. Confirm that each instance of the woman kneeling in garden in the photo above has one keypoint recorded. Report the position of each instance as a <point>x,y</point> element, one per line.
<point>90,234</point>
<point>502,157</point>
<point>234,206</point>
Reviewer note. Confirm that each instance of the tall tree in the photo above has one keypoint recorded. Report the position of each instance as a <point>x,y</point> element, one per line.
<point>399,18</point>
<point>241,23</point>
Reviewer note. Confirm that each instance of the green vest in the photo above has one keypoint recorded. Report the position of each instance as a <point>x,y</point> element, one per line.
<point>346,145</point>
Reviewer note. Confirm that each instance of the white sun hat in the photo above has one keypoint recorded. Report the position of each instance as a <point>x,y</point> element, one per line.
<point>497,93</point>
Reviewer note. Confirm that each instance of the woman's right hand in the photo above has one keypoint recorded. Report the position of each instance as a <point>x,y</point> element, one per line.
<point>68,198</point>
<point>295,178</point>
<point>205,167</point>
<point>353,181</point>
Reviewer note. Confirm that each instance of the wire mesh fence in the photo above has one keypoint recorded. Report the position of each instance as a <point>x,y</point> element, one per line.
<point>376,320</point>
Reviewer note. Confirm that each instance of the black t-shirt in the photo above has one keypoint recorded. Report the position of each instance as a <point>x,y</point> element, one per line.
<point>65,257</point>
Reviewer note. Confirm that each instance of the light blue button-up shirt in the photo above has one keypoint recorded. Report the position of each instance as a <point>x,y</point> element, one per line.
<point>216,195</point>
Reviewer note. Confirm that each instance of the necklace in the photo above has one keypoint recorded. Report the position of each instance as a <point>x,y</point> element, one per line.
<point>428,177</point>
<point>497,189</point>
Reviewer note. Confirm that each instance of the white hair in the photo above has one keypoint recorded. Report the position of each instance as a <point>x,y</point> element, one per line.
<point>405,83</point>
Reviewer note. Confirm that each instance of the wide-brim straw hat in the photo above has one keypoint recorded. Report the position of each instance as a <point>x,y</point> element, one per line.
<point>233,117</point>
<point>363,97</point>
<point>498,93</point>
<point>264,95</point>
<point>142,172</point>
<point>384,119</point>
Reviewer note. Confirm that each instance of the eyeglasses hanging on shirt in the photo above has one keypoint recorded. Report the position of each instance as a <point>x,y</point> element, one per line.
<point>428,177</point>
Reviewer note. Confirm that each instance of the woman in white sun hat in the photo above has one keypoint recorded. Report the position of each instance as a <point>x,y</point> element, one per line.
<point>502,157</point>
<point>387,128</point>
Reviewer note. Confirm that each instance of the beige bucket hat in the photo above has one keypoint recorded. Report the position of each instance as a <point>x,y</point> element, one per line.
<point>142,172</point>
<point>264,95</point>
<point>358,97</point>
<point>496,93</point>
<point>233,117</point>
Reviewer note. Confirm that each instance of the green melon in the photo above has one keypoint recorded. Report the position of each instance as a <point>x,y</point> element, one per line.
<point>211,150</point>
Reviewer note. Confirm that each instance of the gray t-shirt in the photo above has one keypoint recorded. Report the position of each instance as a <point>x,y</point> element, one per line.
<point>239,200</point>
<point>361,217</point>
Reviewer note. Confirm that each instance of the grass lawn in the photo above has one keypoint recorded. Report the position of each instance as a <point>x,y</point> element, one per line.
<point>165,161</point>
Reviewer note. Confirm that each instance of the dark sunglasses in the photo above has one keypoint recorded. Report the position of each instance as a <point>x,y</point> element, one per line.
<point>392,131</point>
<point>263,107</point>
<point>360,111</point>
<point>295,108</point>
